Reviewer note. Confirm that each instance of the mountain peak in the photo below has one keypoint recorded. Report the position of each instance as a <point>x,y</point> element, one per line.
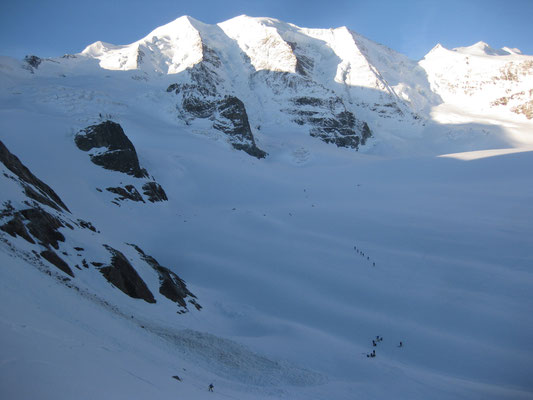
<point>482,49</point>
<point>174,27</point>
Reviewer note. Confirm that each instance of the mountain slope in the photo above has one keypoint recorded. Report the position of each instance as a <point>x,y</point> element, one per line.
<point>191,209</point>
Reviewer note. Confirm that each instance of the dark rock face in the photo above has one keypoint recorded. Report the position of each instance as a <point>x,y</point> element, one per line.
<point>40,224</point>
<point>324,114</point>
<point>86,225</point>
<point>329,121</point>
<point>154,191</point>
<point>32,62</point>
<point>54,259</point>
<point>198,108</point>
<point>43,226</point>
<point>233,120</point>
<point>121,274</point>
<point>35,223</point>
<point>304,64</point>
<point>40,191</point>
<point>365,133</point>
<point>205,98</point>
<point>120,155</point>
<point>127,192</point>
<point>228,115</point>
<point>338,130</point>
<point>171,285</point>
<point>15,227</point>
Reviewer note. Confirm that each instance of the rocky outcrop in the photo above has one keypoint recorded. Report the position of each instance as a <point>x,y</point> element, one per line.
<point>519,103</point>
<point>525,108</point>
<point>154,192</point>
<point>304,64</point>
<point>33,187</point>
<point>15,226</point>
<point>329,121</point>
<point>110,148</point>
<point>228,114</point>
<point>122,275</point>
<point>33,223</point>
<point>171,285</point>
<point>37,226</point>
<point>32,63</point>
<point>206,98</point>
<point>232,119</point>
<point>127,192</point>
<point>47,232</point>
<point>42,226</point>
<point>54,259</point>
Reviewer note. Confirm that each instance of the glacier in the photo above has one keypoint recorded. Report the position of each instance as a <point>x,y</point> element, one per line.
<point>294,193</point>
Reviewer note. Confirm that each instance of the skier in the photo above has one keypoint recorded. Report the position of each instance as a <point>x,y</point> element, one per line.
<point>211,387</point>
<point>374,343</point>
<point>401,344</point>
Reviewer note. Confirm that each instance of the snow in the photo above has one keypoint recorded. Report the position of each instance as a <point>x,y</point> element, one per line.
<point>475,155</point>
<point>261,41</point>
<point>483,49</point>
<point>289,306</point>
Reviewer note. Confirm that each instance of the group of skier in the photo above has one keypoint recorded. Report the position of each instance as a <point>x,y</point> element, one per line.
<point>375,343</point>
<point>360,252</point>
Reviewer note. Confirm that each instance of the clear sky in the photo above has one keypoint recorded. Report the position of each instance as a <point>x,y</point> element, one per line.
<point>50,28</point>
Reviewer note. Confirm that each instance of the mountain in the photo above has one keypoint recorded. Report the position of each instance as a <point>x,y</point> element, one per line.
<point>254,204</point>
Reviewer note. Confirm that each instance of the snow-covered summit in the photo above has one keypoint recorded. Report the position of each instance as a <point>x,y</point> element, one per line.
<point>482,81</point>
<point>169,49</point>
<point>327,83</point>
<point>483,49</point>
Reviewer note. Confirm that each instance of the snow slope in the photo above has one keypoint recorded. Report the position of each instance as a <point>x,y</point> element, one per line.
<point>273,248</point>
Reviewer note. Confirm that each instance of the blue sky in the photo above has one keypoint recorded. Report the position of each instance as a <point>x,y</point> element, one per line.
<point>54,27</point>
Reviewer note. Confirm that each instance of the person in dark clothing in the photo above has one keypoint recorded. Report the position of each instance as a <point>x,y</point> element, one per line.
<point>401,344</point>
<point>374,343</point>
<point>211,387</point>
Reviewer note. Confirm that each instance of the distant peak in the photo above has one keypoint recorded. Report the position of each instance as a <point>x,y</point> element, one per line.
<point>263,21</point>
<point>437,48</point>
<point>480,45</point>
<point>512,50</point>
<point>482,49</point>
<point>342,28</point>
<point>184,22</point>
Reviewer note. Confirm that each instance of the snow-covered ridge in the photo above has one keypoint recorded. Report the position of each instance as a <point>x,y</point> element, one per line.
<point>381,81</point>
<point>483,49</point>
<point>169,49</point>
<point>482,79</point>
<point>326,83</point>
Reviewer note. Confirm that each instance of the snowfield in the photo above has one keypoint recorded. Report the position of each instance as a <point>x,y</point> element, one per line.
<point>299,260</point>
